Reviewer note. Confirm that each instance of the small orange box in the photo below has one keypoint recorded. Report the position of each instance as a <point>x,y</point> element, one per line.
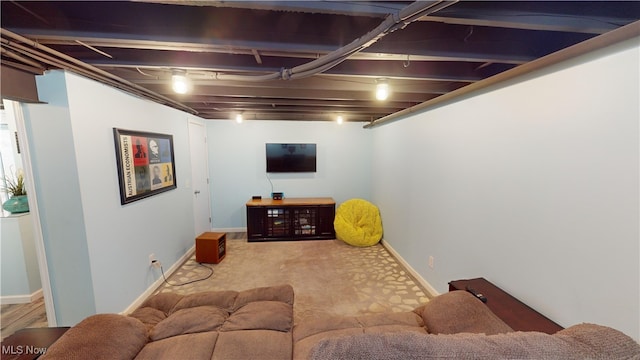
<point>211,247</point>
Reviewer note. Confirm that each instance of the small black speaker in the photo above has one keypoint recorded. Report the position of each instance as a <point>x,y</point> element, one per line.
<point>256,197</point>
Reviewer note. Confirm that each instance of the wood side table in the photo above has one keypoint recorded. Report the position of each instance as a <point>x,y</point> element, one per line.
<point>512,311</point>
<point>29,344</point>
<point>211,247</point>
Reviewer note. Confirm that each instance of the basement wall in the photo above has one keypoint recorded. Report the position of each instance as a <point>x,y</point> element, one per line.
<point>98,250</point>
<point>532,184</point>
<point>237,164</point>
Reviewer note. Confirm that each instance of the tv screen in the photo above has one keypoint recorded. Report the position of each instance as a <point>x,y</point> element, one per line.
<point>291,158</point>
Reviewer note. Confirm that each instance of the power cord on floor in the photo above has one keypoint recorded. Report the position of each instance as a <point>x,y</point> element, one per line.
<point>188,282</point>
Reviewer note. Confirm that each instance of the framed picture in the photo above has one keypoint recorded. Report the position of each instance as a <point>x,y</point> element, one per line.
<point>146,165</point>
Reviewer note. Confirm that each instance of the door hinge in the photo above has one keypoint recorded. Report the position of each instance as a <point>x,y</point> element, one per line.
<point>209,219</point>
<point>207,180</point>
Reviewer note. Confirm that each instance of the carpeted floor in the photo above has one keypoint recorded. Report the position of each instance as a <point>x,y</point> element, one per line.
<point>328,276</point>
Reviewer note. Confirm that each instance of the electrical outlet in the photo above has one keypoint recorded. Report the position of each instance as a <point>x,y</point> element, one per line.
<point>431,260</point>
<point>154,262</point>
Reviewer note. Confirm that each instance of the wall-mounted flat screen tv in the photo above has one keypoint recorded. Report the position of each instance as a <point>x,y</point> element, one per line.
<point>289,158</point>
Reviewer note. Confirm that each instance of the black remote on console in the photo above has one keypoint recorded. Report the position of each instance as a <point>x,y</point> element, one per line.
<point>477,294</point>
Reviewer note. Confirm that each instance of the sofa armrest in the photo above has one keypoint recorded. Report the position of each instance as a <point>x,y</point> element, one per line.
<point>104,336</point>
<point>458,312</point>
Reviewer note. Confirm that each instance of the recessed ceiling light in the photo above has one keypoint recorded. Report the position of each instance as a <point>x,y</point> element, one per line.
<point>239,118</point>
<point>382,89</point>
<point>339,119</point>
<point>179,82</point>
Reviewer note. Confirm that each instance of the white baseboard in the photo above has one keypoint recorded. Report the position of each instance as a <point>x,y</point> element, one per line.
<point>137,302</point>
<point>36,295</point>
<point>21,299</point>
<point>430,289</point>
<point>238,229</point>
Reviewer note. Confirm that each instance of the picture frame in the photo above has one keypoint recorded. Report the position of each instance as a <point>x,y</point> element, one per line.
<point>145,162</point>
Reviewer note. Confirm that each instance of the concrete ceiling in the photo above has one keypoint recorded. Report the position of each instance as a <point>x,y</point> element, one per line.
<point>448,47</point>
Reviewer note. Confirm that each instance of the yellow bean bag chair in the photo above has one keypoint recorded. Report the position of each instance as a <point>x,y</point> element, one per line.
<point>358,223</point>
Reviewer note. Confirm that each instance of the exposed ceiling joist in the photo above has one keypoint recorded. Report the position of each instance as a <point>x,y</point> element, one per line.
<point>219,42</point>
<point>508,52</point>
<point>359,8</point>
<point>204,100</point>
<point>570,16</point>
<point>310,94</point>
<point>328,84</point>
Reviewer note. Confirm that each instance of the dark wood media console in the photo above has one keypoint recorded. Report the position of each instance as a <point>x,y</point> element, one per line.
<point>291,219</point>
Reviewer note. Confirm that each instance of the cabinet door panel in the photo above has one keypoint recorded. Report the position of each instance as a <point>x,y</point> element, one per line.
<point>326,216</point>
<point>255,222</point>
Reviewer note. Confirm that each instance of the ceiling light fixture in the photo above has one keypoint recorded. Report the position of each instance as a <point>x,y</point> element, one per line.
<point>239,118</point>
<point>179,81</point>
<point>339,119</point>
<point>382,89</point>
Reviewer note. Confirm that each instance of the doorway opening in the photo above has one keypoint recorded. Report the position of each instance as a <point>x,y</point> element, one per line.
<point>23,302</point>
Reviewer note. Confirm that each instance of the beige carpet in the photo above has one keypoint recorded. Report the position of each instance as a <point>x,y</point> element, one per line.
<point>328,276</point>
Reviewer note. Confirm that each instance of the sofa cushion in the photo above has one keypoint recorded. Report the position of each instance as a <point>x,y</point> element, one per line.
<point>408,318</point>
<point>312,330</point>
<point>192,346</point>
<point>459,311</point>
<point>254,323</point>
<point>219,299</point>
<point>189,320</point>
<point>394,328</point>
<point>261,315</point>
<point>104,336</point>
<point>149,316</point>
<point>319,324</point>
<point>514,345</point>
<point>281,293</point>
<point>163,302</point>
<point>253,344</point>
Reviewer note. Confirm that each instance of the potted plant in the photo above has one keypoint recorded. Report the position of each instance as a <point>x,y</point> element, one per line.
<point>17,202</point>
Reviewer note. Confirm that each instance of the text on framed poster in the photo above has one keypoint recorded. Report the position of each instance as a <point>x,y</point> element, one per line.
<point>146,164</point>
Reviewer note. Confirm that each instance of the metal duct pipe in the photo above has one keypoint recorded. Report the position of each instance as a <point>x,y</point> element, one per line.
<point>50,56</point>
<point>387,26</point>
<point>23,59</point>
<point>393,22</point>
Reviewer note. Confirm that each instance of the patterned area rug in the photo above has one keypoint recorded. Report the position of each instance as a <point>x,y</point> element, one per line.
<point>328,276</point>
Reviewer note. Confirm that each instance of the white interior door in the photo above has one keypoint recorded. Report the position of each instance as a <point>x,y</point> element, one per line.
<point>200,177</point>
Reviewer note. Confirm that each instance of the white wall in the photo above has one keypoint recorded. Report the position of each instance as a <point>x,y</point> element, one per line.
<point>59,203</point>
<point>533,185</point>
<point>19,266</point>
<point>111,242</point>
<point>238,165</point>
